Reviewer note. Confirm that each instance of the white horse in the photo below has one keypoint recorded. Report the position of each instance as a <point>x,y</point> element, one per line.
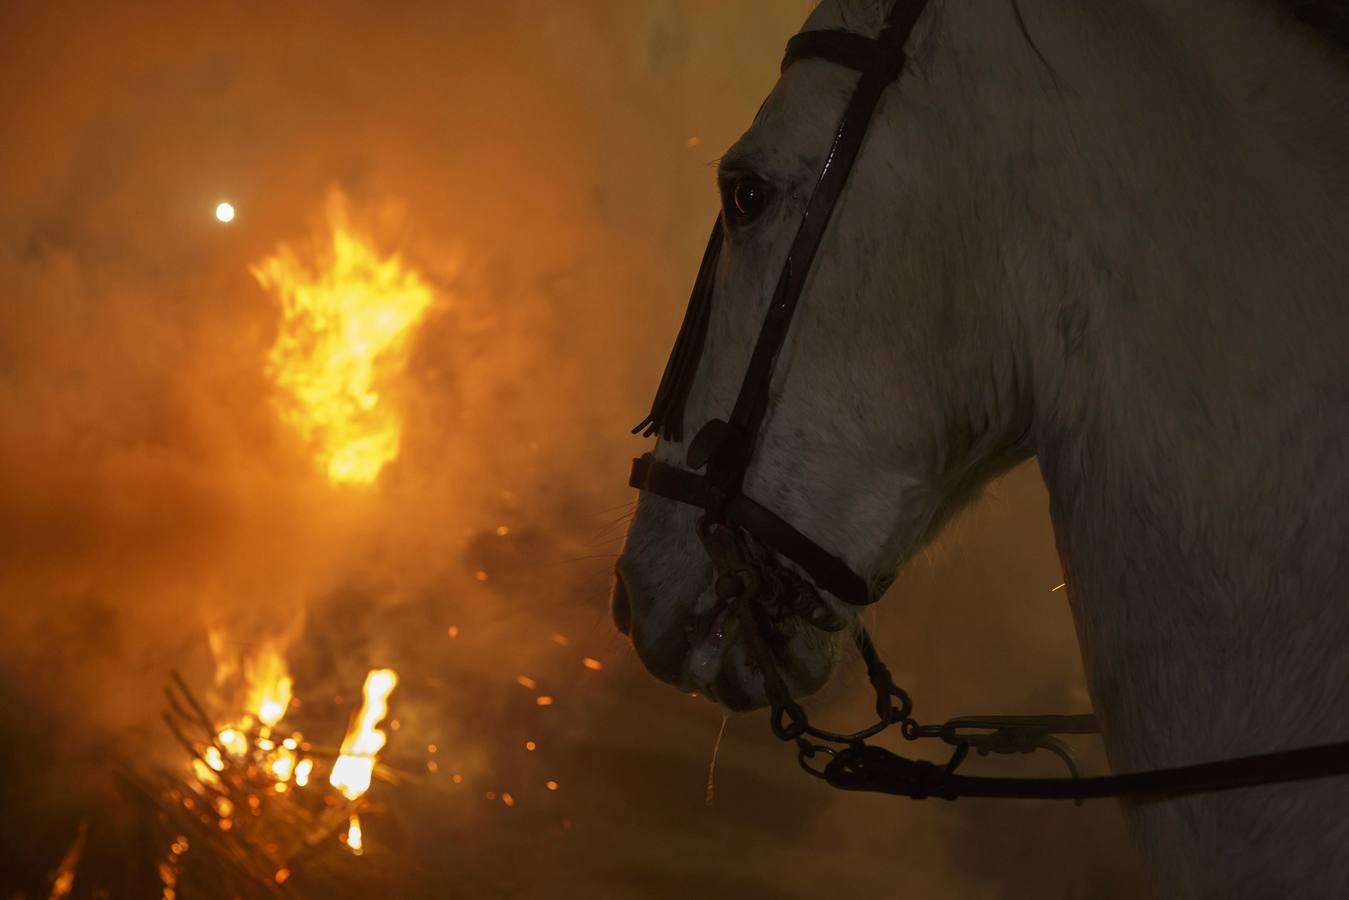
<point>1114,236</point>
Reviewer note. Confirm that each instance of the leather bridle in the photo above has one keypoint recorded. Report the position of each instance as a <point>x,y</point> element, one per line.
<point>745,540</point>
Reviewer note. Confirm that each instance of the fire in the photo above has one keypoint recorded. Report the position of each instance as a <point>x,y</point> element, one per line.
<point>354,838</point>
<point>271,685</point>
<point>345,320</point>
<point>353,769</point>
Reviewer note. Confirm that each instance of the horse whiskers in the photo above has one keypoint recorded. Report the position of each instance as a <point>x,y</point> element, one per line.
<point>604,531</point>
<point>712,764</point>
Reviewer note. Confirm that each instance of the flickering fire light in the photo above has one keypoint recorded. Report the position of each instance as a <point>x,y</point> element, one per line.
<point>254,803</point>
<point>352,772</point>
<point>345,318</point>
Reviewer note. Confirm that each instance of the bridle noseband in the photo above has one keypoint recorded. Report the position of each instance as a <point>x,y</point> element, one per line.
<point>745,540</point>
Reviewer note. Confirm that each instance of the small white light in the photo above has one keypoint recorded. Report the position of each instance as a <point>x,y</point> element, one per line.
<point>224,212</point>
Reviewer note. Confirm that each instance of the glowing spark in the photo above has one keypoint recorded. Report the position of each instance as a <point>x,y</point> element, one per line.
<point>283,766</point>
<point>302,770</point>
<point>234,741</point>
<point>530,745</point>
<point>354,836</point>
<point>593,665</point>
<point>351,773</point>
<point>508,799</point>
<point>224,212</point>
<point>453,631</point>
<point>480,575</point>
<point>1059,588</point>
<point>503,530</point>
<point>526,682</point>
<point>345,319</point>
<point>65,873</point>
<point>543,700</point>
<point>551,785</point>
<point>213,759</point>
<point>561,640</point>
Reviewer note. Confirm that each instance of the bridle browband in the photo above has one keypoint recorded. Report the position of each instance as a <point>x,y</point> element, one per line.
<point>745,539</point>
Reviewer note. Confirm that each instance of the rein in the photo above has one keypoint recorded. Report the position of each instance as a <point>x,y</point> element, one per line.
<point>744,539</point>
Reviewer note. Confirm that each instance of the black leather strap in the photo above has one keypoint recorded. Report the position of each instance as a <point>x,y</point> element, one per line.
<point>771,530</point>
<point>875,769</point>
<point>843,48</point>
<point>884,59</point>
<point>727,457</point>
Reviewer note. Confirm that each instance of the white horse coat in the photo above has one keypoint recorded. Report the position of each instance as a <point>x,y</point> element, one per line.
<point>1123,249</point>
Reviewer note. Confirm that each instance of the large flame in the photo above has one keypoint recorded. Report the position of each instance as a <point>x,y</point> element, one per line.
<point>345,318</point>
<point>351,773</point>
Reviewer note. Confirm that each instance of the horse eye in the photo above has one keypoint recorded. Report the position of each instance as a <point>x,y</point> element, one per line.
<point>744,198</point>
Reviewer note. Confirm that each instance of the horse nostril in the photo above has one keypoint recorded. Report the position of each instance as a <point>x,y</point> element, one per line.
<point>620,605</point>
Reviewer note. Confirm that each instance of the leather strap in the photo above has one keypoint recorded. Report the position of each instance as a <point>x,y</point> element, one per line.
<point>866,767</point>
<point>844,48</point>
<point>880,61</point>
<point>768,528</point>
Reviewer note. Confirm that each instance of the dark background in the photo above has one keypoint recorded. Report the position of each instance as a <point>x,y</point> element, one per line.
<point>537,164</point>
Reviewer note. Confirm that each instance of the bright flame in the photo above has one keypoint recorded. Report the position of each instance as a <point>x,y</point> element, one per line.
<point>270,687</point>
<point>351,773</point>
<point>345,320</point>
<point>354,834</point>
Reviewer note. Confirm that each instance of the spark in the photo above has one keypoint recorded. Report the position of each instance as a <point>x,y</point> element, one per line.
<point>224,213</point>
<point>592,664</point>
<point>354,835</point>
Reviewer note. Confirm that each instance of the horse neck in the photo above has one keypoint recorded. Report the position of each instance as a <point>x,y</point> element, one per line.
<point>1191,382</point>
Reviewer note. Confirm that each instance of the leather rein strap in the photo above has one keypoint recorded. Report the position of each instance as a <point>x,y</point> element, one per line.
<point>742,537</point>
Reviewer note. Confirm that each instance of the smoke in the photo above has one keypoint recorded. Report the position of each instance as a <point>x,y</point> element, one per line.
<point>545,167</point>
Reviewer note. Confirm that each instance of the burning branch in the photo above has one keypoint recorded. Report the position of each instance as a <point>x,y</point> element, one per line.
<point>248,815</point>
